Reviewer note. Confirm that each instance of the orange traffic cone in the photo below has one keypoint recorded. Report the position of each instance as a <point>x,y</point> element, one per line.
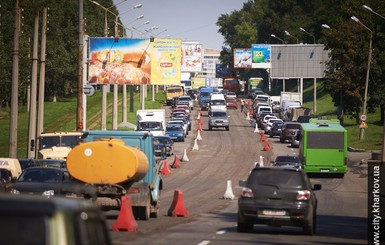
<point>266,147</point>
<point>177,207</point>
<point>199,126</point>
<point>176,163</point>
<point>126,220</point>
<point>263,137</point>
<point>165,169</point>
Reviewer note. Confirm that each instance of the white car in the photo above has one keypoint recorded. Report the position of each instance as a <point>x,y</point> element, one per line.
<point>231,95</point>
<point>266,119</point>
<point>179,122</point>
<point>270,122</point>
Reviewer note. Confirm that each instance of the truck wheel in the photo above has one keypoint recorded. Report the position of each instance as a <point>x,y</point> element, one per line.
<point>144,212</point>
<point>227,128</point>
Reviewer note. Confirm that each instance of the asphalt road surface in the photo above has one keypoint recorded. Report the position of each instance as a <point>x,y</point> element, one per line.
<point>225,156</point>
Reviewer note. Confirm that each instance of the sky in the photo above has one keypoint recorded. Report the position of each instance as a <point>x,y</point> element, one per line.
<point>182,19</point>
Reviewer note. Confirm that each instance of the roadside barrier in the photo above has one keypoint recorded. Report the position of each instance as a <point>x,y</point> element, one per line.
<point>165,169</point>
<point>177,208</point>
<point>229,191</point>
<point>176,163</point>
<point>185,157</point>
<point>126,220</point>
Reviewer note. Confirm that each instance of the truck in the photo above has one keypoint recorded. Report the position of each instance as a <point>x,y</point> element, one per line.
<point>204,97</point>
<point>292,113</point>
<point>173,91</point>
<point>232,84</point>
<point>116,164</point>
<point>57,145</point>
<point>10,169</point>
<point>290,96</point>
<point>185,80</point>
<point>151,120</point>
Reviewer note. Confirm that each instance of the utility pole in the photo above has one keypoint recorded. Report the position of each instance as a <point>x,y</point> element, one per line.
<point>40,111</point>
<point>15,87</point>
<point>79,116</point>
<point>32,111</point>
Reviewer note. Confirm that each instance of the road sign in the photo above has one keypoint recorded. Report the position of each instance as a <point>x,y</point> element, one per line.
<point>363,117</point>
<point>88,90</point>
<point>363,125</point>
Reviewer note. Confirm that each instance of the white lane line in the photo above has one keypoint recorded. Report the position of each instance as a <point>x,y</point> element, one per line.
<point>221,232</point>
<point>204,242</point>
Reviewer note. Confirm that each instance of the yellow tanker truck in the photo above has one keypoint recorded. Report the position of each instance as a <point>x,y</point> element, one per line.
<point>118,163</point>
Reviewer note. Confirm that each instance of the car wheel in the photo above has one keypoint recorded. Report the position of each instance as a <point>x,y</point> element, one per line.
<point>309,228</point>
<point>271,135</point>
<point>243,226</point>
<point>183,139</point>
<point>227,128</point>
<point>281,140</point>
<point>210,128</point>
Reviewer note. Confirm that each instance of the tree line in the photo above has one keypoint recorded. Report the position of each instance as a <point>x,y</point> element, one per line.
<point>327,22</point>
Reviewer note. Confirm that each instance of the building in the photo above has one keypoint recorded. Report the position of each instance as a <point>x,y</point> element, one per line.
<point>210,59</point>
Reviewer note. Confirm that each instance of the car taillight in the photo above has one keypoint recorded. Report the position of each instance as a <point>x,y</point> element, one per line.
<point>247,192</point>
<point>303,195</point>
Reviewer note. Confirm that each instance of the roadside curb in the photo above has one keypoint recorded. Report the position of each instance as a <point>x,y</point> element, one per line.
<point>351,149</point>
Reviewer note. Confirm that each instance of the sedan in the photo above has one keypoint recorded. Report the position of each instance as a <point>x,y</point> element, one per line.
<point>287,161</point>
<point>277,197</point>
<point>231,103</point>
<point>163,141</point>
<point>175,132</point>
<point>276,129</point>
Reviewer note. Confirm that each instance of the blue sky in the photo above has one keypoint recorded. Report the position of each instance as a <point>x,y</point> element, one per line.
<point>184,19</point>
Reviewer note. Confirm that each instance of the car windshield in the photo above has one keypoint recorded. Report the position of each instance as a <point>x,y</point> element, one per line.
<point>277,179</point>
<point>161,140</point>
<point>218,102</point>
<point>40,175</point>
<point>174,128</point>
<point>287,159</point>
<point>150,126</point>
<point>219,114</point>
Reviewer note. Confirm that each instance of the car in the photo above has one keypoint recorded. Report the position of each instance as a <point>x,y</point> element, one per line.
<point>287,161</point>
<point>295,139</point>
<point>175,132</point>
<point>48,181</point>
<point>304,119</point>
<point>266,119</point>
<point>186,100</point>
<point>277,197</point>
<point>259,118</point>
<point>217,119</point>
<point>181,122</point>
<point>165,142</point>
<point>269,124</point>
<point>182,108</point>
<point>46,221</point>
<point>184,117</point>
<point>231,94</point>
<point>193,93</point>
<point>288,131</point>
<point>231,103</point>
<point>276,129</point>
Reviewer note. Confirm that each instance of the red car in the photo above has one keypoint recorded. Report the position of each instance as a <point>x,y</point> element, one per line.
<point>231,103</point>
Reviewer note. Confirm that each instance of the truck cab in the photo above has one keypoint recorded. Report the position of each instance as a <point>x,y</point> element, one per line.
<point>57,145</point>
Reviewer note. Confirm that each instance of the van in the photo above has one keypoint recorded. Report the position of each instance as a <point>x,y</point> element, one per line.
<point>263,97</point>
<point>217,102</point>
<point>265,109</point>
<point>172,92</point>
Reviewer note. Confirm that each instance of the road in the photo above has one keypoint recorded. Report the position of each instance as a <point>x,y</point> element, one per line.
<point>229,156</point>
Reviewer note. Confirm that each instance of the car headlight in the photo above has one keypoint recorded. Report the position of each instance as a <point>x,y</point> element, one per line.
<point>14,191</point>
<point>180,135</point>
<point>48,193</point>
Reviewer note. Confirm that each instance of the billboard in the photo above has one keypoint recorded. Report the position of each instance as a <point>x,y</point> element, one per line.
<point>134,61</point>
<point>166,61</point>
<point>261,56</point>
<point>192,54</point>
<point>222,71</point>
<point>242,58</point>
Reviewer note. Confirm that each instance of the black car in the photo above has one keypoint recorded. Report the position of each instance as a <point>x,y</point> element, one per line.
<point>277,197</point>
<point>163,141</point>
<point>46,181</point>
<point>276,129</point>
<point>287,161</point>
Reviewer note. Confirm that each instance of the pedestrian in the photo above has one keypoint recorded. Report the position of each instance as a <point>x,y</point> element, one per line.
<point>242,104</point>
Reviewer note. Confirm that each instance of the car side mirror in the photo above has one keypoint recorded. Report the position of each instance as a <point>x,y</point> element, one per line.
<point>317,187</point>
<point>163,153</point>
<point>242,183</point>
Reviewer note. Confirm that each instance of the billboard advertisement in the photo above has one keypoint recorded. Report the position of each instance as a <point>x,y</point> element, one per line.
<point>261,56</point>
<point>222,71</point>
<point>192,54</point>
<point>166,61</point>
<point>242,58</point>
<point>134,61</point>
<point>119,61</point>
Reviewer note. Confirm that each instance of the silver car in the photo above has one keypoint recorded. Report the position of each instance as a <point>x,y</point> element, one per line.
<point>218,119</point>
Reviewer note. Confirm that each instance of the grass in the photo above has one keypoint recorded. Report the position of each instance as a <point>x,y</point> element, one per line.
<point>61,116</point>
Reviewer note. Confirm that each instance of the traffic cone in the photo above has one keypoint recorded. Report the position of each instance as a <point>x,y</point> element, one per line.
<point>266,147</point>
<point>176,163</point>
<point>256,130</point>
<point>199,126</point>
<point>126,220</point>
<point>185,157</point>
<point>165,169</point>
<point>263,137</point>
<point>251,112</point>
<point>229,191</point>
<point>199,115</point>
<point>177,207</point>
<point>199,137</point>
<point>249,103</point>
<point>247,116</point>
<point>261,164</point>
<point>195,147</point>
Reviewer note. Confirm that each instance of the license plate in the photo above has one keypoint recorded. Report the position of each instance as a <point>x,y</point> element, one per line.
<point>325,170</point>
<point>274,212</point>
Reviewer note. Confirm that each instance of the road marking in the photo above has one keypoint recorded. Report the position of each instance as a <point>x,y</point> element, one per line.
<point>205,242</point>
<point>221,232</point>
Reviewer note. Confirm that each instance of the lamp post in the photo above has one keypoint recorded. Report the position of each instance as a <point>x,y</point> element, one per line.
<point>288,34</point>
<point>362,130</point>
<point>272,35</point>
<point>161,32</point>
<point>308,34</point>
<point>371,10</point>
<point>326,26</point>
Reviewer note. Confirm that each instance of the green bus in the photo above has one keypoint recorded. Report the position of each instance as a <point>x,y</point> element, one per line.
<point>323,147</point>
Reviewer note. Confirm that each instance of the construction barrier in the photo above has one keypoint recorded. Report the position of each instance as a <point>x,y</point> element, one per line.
<point>126,220</point>
<point>177,207</point>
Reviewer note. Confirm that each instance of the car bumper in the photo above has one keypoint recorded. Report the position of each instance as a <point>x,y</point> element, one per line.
<point>297,214</point>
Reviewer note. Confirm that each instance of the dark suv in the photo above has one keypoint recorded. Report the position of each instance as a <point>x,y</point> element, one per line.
<point>288,131</point>
<point>277,197</point>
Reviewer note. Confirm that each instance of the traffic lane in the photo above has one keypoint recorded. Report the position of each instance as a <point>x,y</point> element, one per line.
<point>223,155</point>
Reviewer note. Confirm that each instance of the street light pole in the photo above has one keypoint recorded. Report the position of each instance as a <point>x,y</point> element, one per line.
<point>272,35</point>
<point>362,130</point>
<point>308,34</point>
<point>288,34</point>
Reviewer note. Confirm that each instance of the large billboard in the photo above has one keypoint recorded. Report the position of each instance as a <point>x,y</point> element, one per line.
<point>242,58</point>
<point>222,71</point>
<point>261,56</point>
<point>192,56</point>
<point>131,61</point>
